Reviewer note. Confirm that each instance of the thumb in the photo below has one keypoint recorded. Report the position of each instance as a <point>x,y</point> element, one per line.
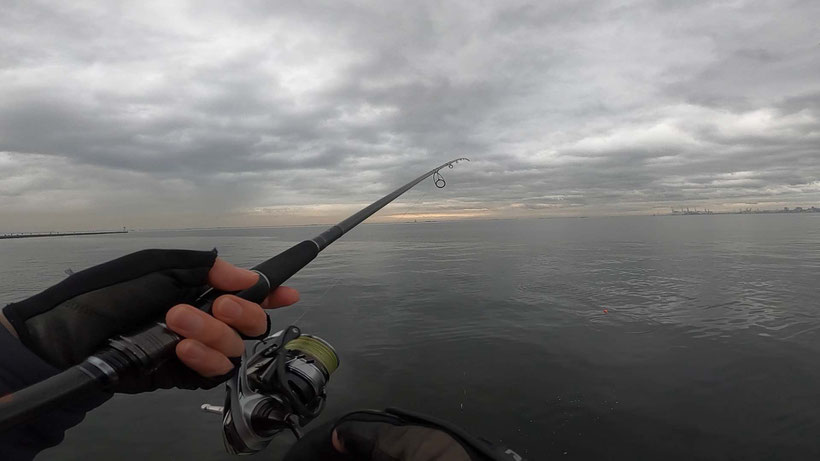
<point>357,438</point>
<point>314,445</point>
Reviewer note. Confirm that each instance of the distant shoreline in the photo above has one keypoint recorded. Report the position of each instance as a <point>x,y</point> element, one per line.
<point>705,212</point>
<point>24,235</point>
<point>794,211</point>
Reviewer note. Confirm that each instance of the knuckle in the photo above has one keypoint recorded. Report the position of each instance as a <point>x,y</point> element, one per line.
<point>219,331</point>
<point>176,310</point>
<point>228,307</point>
<point>230,343</point>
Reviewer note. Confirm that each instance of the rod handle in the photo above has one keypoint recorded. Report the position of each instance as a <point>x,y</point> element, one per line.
<point>35,400</point>
<point>139,351</point>
<point>282,266</point>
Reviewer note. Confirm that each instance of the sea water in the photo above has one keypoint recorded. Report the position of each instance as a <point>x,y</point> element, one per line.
<point>678,337</point>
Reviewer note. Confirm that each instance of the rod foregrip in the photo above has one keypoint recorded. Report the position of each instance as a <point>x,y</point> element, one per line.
<point>257,293</point>
<point>272,273</point>
<point>282,266</point>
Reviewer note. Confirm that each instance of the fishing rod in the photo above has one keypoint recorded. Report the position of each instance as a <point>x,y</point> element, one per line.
<point>140,352</point>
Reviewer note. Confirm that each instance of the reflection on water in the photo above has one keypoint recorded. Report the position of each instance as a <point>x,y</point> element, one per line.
<point>706,348</point>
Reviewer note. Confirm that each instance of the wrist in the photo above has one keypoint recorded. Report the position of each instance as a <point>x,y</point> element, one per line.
<point>5,322</point>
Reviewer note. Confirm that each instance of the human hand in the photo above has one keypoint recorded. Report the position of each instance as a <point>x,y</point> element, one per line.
<point>73,319</point>
<point>394,434</point>
<point>369,439</point>
<point>211,339</point>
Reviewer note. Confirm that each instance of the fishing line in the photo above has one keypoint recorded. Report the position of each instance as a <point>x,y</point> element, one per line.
<point>414,204</point>
<point>338,278</point>
<point>139,353</point>
<point>307,309</point>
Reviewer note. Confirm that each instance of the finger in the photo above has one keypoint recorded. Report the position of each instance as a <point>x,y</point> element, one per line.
<point>281,297</point>
<point>243,315</point>
<point>202,359</point>
<point>192,323</point>
<point>225,276</point>
<point>336,441</point>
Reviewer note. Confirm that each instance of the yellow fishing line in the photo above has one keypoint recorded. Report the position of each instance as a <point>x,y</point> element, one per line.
<point>317,349</point>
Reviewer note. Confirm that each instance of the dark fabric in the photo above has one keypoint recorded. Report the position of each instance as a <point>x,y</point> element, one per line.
<point>316,445</point>
<point>73,319</point>
<point>19,367</point>
<point>64,324</point>
<point>395,436</point>
<point>388,442</point>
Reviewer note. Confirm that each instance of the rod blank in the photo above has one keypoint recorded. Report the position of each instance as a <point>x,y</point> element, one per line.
<point>143,348</point>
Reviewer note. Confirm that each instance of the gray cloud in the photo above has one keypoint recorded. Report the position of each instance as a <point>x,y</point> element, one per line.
<point>279,112</point>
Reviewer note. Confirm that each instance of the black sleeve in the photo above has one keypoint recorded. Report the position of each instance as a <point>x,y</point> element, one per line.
<point>19,367</point>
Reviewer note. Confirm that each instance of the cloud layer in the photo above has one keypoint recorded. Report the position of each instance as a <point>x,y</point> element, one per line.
<point>172,114</point>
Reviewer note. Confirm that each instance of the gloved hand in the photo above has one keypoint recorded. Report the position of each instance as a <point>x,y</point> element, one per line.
<point>394,435</point>
<point>73,319</point>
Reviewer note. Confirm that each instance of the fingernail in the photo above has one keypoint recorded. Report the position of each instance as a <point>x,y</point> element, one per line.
<point>189,322</point>
<point>230,309</point>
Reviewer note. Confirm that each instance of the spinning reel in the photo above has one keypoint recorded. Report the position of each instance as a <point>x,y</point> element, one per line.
<point>279,386</point>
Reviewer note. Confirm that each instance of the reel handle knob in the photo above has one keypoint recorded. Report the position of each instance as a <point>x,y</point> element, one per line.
<point>213,409</point>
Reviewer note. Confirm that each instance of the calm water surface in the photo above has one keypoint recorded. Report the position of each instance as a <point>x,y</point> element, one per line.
<point>708,348</point>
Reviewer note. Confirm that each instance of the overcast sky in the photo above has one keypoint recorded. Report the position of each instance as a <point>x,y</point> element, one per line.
<point>178,114</point>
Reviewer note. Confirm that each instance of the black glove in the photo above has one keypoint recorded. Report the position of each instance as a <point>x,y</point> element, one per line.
<point>73,319</point>
<point>395,435</point>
